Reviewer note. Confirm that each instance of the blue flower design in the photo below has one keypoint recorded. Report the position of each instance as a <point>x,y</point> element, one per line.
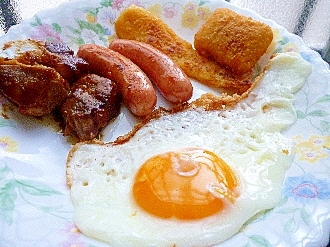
<point>308,56</point>
<point>306,188</point>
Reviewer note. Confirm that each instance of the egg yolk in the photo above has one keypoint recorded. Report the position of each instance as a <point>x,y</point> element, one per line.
<point>187,184</point>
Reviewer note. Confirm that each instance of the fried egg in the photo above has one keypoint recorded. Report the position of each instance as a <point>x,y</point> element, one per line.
<point>191,178</point>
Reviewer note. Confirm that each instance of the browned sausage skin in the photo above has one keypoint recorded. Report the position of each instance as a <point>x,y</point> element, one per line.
<point>135,87</point>
<point>171,81</point>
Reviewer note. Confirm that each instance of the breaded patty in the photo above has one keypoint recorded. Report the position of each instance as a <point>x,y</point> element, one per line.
<point>136,23</point>
<point>233,40</point>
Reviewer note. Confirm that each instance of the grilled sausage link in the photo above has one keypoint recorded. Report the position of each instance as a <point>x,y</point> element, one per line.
<point>135,87</point>
<point>171,81</point>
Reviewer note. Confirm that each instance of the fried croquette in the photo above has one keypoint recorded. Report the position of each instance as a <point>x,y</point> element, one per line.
<point>136,23</point>
<point>233,40</point>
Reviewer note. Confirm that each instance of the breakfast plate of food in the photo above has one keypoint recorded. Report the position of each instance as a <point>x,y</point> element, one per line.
<point>162,123</point>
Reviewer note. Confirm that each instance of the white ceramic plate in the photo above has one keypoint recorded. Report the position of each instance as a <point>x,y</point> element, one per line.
<point>35,205</point>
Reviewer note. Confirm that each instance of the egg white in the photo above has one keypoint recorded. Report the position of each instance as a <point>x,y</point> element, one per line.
<point>247,138</point>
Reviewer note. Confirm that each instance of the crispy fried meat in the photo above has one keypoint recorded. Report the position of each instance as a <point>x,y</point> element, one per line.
<point>93,103</point>
<point>35,89</point>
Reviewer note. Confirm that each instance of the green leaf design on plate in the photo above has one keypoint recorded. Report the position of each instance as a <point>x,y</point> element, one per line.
<point>96,27</point>
<point>91,11</point>
<point>56,27</point>
<point>284,41</point>
<point>37,22</point>
<point>318,113</point>
<point>290,225</point>
<point>75,30</point>
<point>6,123</point>
<point>283,201</point>
<point>36,189</point>
<point>77,40</point>
<point>325,126</point>
<point>203,2</point>
<point>287,211</point>
<point>4,172</point>
<point>50,209</point>
<point>10,188</point>
<point>305,216</point>
<point>300,114</point>
<point>106,3</point>
<point>8,196</point>
<point>260,241</point>
<point>325,98</point>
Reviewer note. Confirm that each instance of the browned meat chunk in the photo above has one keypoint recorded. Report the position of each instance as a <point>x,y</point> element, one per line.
<point>70,67</point>
<point>55,55</point>
<point>93,103</point>
<point>64,61</point>
<point>35,89</point>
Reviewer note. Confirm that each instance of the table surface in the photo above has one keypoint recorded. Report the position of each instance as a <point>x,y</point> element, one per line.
<point>309,19</point>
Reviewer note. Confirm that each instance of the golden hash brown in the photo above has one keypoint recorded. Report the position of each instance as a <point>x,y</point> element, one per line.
<point>233,40</point>
<point>136,23</point>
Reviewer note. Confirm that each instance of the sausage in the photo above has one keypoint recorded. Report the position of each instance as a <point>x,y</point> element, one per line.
<point>135,87</point>
<point>171,81</point>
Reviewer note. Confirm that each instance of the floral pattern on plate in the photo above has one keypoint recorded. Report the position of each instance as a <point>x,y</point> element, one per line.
<point>35,205</point>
